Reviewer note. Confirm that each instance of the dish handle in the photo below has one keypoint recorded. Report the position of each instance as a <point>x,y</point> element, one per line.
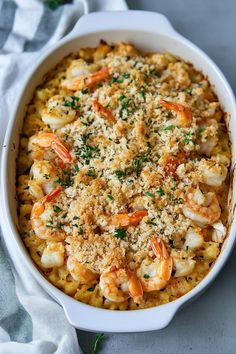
<point>125,20</point>
<point>87,317</point>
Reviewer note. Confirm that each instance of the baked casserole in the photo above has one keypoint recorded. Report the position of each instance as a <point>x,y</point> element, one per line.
<point>123,177</point>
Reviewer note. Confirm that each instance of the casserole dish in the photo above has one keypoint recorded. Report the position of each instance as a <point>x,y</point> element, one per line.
<point>149,32</point>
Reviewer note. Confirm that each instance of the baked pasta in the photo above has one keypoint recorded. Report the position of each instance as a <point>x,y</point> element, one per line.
<point>123,177</point>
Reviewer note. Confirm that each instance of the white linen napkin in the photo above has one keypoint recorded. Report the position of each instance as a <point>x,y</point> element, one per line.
<point>30,321</point>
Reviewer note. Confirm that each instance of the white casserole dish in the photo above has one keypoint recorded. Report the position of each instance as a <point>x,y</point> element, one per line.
<point>149,32</point>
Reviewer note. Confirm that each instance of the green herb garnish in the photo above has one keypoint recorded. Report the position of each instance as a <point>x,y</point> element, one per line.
<point>189,90</point>
<point>161,192</point>
<point>126,75</point>
<point>169,127</point>
<point>76,169</point>
<point>121,98</point>
<point>72,103</point>
<point>87,152</point>
<point>84,91</point>
<point>146,276</point>
<point>188,138</point>
<point>120,233</point>
<point>109,196</point>
<point>138,162</point>
<point>97,342</point>
<point>149,194</point>
<point>119,173</point>
<point>91,173</point>
<point>56,209</point>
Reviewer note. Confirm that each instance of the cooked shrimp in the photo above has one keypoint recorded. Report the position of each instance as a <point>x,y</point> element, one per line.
<point>60,111</point>
<point>203,209</point>
<point>183,113</point>
<point>193,239</point>
<point>104,112</point>
<point>170,162</point>
<point>208,137</point>
<point>131,219</point>
<point>219,232</point>
<point>47,140</point>
<point>118,285</point>
<point>80,272</point>
<point>212,173</point>
<point>53,255</point>
<point>183,264</point>
<point>155,274</point>
<point>44,176</point>
<point>82,81</point>
<point>40,214</point>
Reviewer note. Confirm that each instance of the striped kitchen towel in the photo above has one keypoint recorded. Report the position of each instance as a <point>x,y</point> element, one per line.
<point>30,321</point>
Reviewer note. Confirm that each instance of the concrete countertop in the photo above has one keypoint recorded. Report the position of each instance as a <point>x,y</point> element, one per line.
<point>208,325</point>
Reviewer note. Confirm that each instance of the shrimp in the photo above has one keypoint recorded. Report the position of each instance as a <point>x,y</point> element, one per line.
<point>39,218</point>
<point>103,112</point>
<point>82,81</point>
<point>212,173</point>
<point>44,176</point>
<point>79,272</point>
<point>120,284</point>
<point>183,113</point>
<point>170,163</point>
<point>208,137</point>
<point>183,263</point>
<point>60,111</point>
<point>131,219</point>
<point>155,274</point>
<point>193,239</point>
<point>219,232</point>
<point>47,140</point>
<point>202,209</point>
<point>53,255</point>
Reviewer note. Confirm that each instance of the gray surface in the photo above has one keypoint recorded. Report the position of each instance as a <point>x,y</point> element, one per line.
<point>208,325</point>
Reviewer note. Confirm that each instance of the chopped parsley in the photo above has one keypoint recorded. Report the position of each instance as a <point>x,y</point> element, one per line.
<point>67,181</point>
<point>146,276</point>
<point>161,192</point>
<point>91,173</point>
<point>188,138</point>
<point>73,103</point>
<point>189,90</point>
<point>84,91</point>
<point>56,208</point>
<point>138,162</point>
<point>151,222</point>
<point>125,104</point>
<point>149,194</point>
<point>87,152</point>
<point>120,233</point>
<point>126,75</point>
<point>200,131</point>
<point>109,196</point>
<point>169,127</point>
<point>119,173</point>
<point>76,169</point>
<point>121,98</point>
